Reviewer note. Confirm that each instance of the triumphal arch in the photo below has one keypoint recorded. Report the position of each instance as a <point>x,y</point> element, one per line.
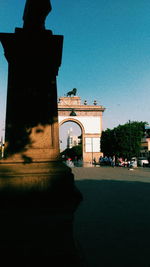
<point>89,118</point>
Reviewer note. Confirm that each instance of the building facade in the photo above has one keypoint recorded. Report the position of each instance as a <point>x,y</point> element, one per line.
<point>89,118</point>
<point>72,140</point>
<point>145,143</point>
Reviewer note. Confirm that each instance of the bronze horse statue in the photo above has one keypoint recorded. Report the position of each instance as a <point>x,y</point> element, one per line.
<point>73,92</point>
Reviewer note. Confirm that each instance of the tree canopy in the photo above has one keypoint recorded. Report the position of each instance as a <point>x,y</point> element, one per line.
<point>123,141</point>
<point>74,152</point>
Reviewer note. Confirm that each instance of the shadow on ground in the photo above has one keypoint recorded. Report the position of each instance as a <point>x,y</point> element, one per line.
<point>112,224</point>
<point>37,205</point>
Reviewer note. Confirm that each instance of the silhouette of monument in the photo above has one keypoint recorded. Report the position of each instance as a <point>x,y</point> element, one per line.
<point>35,13</point>
<point>34,56</point>
<point>37,199</point>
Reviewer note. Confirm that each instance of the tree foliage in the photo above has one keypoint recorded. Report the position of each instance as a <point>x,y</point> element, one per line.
<point>74,152</point>
<point>123,141</point>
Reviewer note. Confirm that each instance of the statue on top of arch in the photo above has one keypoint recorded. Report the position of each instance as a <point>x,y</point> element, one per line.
<point>73,92</point>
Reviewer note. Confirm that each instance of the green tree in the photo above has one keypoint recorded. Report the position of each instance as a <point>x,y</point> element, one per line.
<point>74,152</point>
<point>107,142</point>
<point>123,141</point>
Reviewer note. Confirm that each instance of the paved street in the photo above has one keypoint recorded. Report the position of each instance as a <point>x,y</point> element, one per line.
<point>112,224</point>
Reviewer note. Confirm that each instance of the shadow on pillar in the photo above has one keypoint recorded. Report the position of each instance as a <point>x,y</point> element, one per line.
<point>31,115</point>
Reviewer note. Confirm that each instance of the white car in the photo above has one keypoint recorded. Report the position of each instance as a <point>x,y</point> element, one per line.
<point>142,161</point>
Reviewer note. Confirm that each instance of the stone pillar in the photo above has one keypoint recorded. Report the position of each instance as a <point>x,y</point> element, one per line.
<point>37,200</point>
<point>31,116</point>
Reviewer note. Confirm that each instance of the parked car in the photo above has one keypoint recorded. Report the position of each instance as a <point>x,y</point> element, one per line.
<point>133,163</point>
<point>143,162</point>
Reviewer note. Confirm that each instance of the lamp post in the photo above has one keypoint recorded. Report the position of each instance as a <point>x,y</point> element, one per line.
<point>129,140</point>
<point>114,149</point>
<point>92,148</point>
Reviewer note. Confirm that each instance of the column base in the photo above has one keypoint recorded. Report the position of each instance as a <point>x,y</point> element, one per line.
<point>37,203</point>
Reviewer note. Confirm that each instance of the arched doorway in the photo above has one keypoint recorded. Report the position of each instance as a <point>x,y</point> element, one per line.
<point>71,134</point>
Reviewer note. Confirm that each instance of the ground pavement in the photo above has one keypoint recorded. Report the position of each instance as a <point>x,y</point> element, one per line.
<point>112,224</point>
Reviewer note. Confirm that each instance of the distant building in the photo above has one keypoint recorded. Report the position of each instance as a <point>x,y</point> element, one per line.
<point>72,140</point>
<point>1,148</point>
<point>145,143</point>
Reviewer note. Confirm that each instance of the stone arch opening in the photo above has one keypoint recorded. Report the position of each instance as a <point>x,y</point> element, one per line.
<point>74,134</point>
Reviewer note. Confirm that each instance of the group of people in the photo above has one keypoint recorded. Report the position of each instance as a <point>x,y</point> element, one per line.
<point>113,161</point>
<point>108,161</point>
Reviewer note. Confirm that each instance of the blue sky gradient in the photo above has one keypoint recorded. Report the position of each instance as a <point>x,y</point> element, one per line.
<point>106,53</point>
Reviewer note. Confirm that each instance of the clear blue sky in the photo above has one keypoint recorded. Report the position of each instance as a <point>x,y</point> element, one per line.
<point>106,53</point>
